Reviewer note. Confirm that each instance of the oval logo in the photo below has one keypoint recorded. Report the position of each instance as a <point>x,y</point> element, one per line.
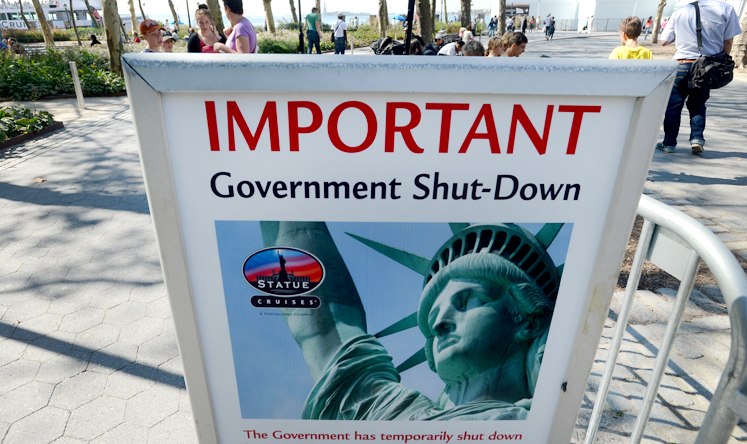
<point>283,271</point>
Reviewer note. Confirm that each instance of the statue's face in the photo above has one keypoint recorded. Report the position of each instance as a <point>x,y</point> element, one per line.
<point>473,328</point>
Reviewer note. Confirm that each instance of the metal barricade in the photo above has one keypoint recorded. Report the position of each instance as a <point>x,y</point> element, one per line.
<point>677,243</point>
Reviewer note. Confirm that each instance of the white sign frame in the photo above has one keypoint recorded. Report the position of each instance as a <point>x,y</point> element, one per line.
<point>148,76</point>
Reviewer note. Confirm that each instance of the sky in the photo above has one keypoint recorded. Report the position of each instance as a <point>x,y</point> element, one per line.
<point>253,8</point>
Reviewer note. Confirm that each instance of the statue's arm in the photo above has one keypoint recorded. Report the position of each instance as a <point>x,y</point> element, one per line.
<point>320,332</point>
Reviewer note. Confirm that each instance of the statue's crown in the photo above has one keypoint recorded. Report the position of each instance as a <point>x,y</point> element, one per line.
<point>511,242</point>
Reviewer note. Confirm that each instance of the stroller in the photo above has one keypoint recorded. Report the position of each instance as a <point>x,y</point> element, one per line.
<point>387,46</point>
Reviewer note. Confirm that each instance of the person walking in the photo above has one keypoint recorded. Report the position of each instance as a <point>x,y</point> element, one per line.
<point>717,37</point>
<point>524,24</point>
<point>340,32</point>
<point>550,23</point>
<point>313,30</point>
<point>591,25</point>
<point>548,20</point>
<point>648,26</point>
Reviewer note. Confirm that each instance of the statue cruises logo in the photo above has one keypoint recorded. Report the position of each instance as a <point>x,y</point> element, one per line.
<point>285,273</point>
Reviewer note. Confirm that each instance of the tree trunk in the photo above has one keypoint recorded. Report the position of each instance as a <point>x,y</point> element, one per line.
<point>319,8</point>
<point>173,12</point>
<point>23,16</point>
<point>268,16</point>
<point>444,14</point>
<point>466,13</point>
<point>112,24</point>
<point>48,39</point>
<point>133,18</point>
<point>739,48</point>
<point>217,13</point>
<point>657,22</point>
<point>425,25</point>
<point>94,22</point>
<point>293,12</point>
<point>433,15</point>
<point>142,11</point>
<point>72,18</point>
<point>383,19</point>
<point>122,28</point>
<point>502,17</point>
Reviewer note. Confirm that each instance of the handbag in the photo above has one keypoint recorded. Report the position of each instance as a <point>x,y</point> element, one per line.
<point>712,71</point>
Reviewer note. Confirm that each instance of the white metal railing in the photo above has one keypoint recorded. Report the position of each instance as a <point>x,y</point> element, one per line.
<point>677,243</point>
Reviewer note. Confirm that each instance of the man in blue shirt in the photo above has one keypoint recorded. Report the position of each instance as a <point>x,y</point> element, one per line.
<point>720,25</point>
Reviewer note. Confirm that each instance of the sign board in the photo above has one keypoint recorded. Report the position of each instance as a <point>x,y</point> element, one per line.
<point>422,241</point>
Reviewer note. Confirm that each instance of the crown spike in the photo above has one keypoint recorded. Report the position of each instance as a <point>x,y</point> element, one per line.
<point>401,325</point>
<point>416,359</point>
<point>560,269</point>
<point>269,232</point>
<point>547,234</point>
<point>418,264</point>
<point>456,227</point>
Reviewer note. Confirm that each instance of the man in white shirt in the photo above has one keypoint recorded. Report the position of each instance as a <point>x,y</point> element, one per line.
<point>720,25</point>
<point>451,49</point>
<point>340,30</point>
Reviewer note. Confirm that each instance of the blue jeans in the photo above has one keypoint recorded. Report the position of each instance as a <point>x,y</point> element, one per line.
<point>696,100</point>
<point>313,38</point>
<point>339,45</point>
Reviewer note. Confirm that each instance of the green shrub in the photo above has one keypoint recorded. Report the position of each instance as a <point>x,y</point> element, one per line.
<point>288,26</point>
<point>269,45</point>
<point>29,77</point>
<point>18,120</point>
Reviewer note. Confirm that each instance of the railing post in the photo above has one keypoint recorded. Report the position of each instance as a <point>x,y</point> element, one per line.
<point>644,241</point>
<point>720,420</point>
<point>76,82</point>
<point>662,357</point>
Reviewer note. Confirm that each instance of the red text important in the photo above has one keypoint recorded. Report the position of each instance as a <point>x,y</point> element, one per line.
<point>438,115</point>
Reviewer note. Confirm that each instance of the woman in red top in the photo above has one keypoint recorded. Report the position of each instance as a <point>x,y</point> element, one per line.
<point>647,27</point>
<point>204,39</point>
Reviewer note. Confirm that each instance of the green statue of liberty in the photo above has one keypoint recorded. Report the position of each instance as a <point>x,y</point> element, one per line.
<point>485,310</point>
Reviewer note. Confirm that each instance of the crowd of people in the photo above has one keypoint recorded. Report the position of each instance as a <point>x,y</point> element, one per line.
<point>239,38</point>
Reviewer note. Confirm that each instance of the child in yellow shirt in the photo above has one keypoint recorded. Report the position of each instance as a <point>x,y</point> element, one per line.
<point>630,29</point>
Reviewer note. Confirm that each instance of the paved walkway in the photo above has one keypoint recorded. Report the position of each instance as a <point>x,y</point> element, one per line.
<point>87,348</point>
<point>87,345</point>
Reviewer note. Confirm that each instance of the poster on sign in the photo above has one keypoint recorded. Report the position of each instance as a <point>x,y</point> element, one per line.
<point>353,254</point>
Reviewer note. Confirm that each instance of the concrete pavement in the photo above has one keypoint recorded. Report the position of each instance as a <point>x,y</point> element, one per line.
<point>87,345</point>
<point>87,348</point>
